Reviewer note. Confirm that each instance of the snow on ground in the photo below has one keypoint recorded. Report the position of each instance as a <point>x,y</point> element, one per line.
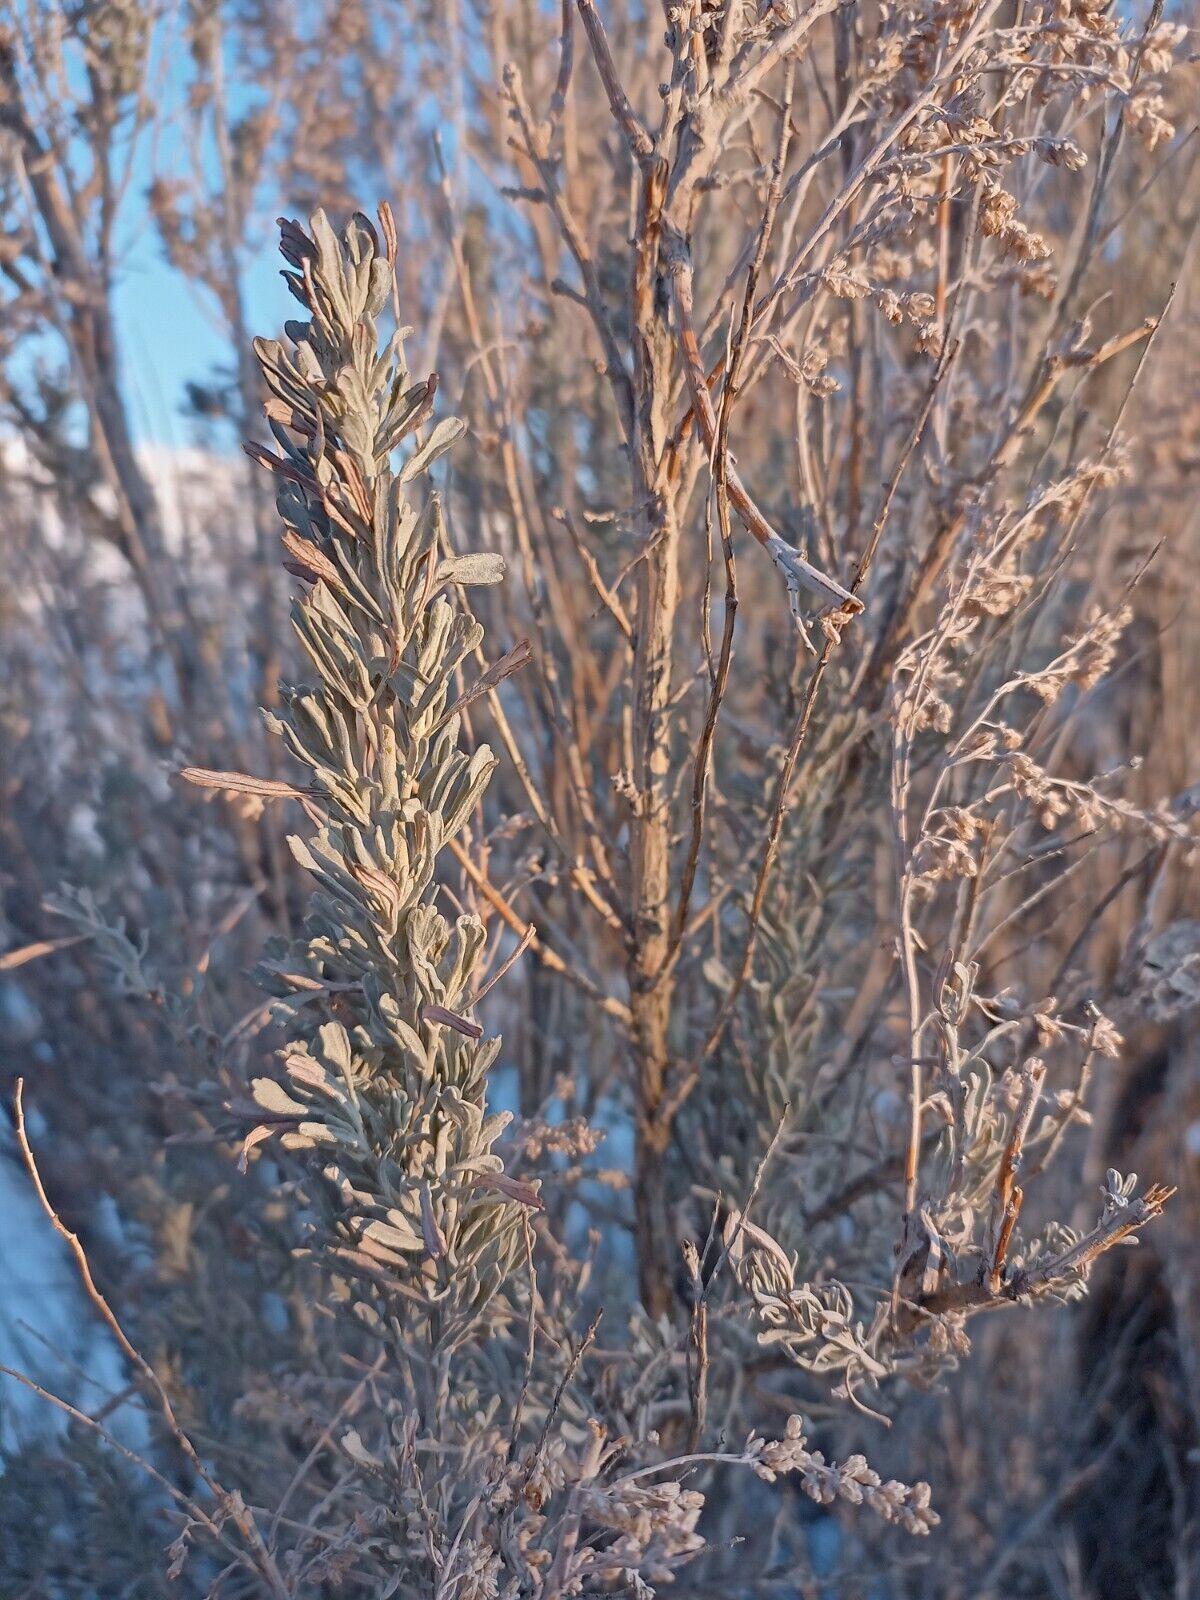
<point>48,1329</point>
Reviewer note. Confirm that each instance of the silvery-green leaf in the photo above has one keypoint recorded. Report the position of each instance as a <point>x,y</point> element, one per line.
<point>268,1094</point>
<point>444,434</point>
<point>475,568</point>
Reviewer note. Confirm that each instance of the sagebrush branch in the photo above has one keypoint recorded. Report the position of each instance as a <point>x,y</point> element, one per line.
<point>798,572</point>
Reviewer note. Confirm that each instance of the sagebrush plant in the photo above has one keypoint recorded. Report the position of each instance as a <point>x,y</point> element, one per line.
<point>388,1079</point>
<point>385,1079</point>
<point>823,378</point>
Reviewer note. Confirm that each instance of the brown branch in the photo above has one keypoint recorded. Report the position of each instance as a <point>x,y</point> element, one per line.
<point>1055,1275</point>
<point>527,933</point>
<point>720,468</point>
<point>609,598</point>
<point>641,146</point>
<point>942,547</point>
<point>243,1520</point>
<point>796,570</point>
<point>690,1077</point>
<point>1007,1196</point>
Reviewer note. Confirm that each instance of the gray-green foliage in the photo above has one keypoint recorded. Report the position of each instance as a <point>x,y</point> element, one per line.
<point>386,1071</point>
